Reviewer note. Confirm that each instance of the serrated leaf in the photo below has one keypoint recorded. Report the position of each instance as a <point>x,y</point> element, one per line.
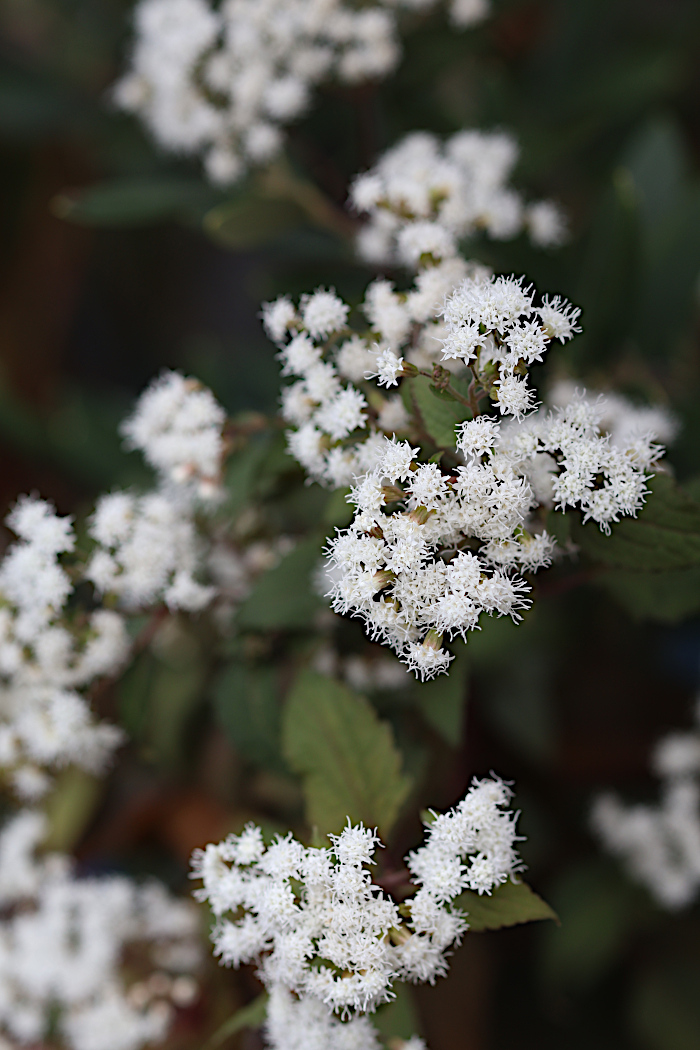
<point>250,1016</point>
<point>347,757</point>
<point>246,703</point>
<point>283,597</point>
<point>439,417</point>
<point>442,702</point>
<point>664,536</point>
<point>509,905</point>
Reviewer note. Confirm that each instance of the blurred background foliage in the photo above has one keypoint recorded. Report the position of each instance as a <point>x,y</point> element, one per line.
<point>118,260</point>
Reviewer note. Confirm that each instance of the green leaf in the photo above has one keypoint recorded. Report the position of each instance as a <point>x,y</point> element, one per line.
<point>250,1016</point>
<point>439,417</point>
<point>250,221</point>
<point>599,910</point>
<point>246,703</point>
<point>664,1011</point>
<point>399,1018</point>
<point>509,905</point>
<point>283,597</point>
<point>349,762</point>
<point>70,807</point>
<point>664,597</point>
<point>665,535</point>
<point>130,201</point>
<point>442,702</point>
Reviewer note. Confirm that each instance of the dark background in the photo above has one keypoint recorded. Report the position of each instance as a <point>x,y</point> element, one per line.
<point>109,274</point>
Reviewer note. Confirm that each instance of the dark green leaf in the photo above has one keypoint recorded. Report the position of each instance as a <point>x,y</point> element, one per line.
<point>665,597</point>
<point>439,417</point>
<point>283,598</point>
<point>253,220</point>
<point>665,535</point>
<point>250,1016</point>
<point>130,201</point>
<point>399,1018</point>
<point>509,905</point>
<point>442,702</point>
<point>665,1011</point>
<point>599,908</point>
<point>348,759</point>
<point>247,706</point>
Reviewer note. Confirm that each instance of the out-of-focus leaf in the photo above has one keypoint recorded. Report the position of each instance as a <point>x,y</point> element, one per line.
<point>665,597</point>
<point>250,1016</point>
<point>338,511</point>
<point>598,909</point>
<point>349,762</point>
<point>665,1010</point>
<point>243,471</point>
<point>519,706</point>
<point>159,693</point>
<point>665,534</point>
<point>70,806</point>
<point>609,272</point>
<point>399,1018</point>
<point>130,201</point>
<point>442,702</point>
<point>283,598</point>
<point>246,703</point>
<point>510,904</point>
<point>251,221</point>
<point>439,417</point>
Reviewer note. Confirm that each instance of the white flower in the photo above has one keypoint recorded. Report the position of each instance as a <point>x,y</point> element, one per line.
<point>547,224</point>
<point>278,318</point>
<point>387,369</point>
<point>177,424</point>
<point>323,312</point>
<point>659,843</point>
<point>514,396</point>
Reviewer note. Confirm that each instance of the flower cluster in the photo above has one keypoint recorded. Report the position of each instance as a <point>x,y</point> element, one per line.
<point>63,941</point>
<point>433,544</point>
<point>326,939</point>
<point>47,654</point>
<point>224,80</point>
<point>404,566</point>
<point>147,546</point>
<point>147,551</point>
<point>178,426</point>
<point>660,843</point>
<point>422,197</point>
<point>337,417</point>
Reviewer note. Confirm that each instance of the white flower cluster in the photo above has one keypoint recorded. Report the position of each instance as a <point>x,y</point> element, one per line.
<point>148,546</point>
<point>337,417</point>
<point>432,546</point>
<point>47,654</point>
<point>178,426</point>
<point>625,421</point>
<point>422,197</point>
<point>148,551</point>
<point>63,942</point>
<point>326,939</point>
<point>660,843</point>
<point>224,80</point>
<point>409,573</point>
